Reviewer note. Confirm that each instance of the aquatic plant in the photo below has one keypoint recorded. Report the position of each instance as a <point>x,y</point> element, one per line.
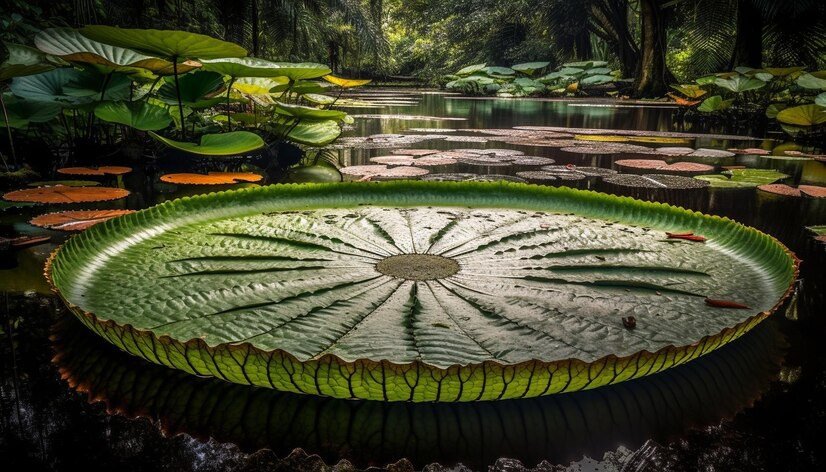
<point>466,291</point>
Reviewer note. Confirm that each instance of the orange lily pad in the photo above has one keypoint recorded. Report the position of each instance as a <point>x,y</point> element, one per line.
<point>780,189</point>
<point>814,191</point>
<point>76,220</point>
<point>662,166</point>
<point>97,171</point>
<point>212,178</point>
<point>64,194</point>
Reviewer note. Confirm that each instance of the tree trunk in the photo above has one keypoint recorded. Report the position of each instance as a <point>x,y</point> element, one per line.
<point>611,21</point>
<point>652,76</point>
<point>748,44</point>
<point>582,44</point>
<point>254,21</point>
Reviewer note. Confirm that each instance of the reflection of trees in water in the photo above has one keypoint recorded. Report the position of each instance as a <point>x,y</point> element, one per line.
<point>558,428</point>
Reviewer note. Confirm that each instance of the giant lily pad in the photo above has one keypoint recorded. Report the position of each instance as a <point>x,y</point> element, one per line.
<point>234,143</point>
<point>63,195</point>
<point>303,70</point>
<point>169,44</point>
<point>419,291</point>
<point>72,46</point>
<point>198,90</point>
<point>139,115</point>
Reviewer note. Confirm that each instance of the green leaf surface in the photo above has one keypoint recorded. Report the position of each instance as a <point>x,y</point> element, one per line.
<point>740,84</point>
<point>714,104</point>
<point>419,291</point>
<point>803,115</point>
<point>22,61</point>
<point>810,81</point>
<point>530,68</point>
<point>471,69</point>
<point>242,67</point>
<point>743,178</point>
<point>72,46</point>
<point>167,44</point>
<point>22,112</point>
<point>139,115</point>
<point>302,70</point>
<point>301,112</point>
<point>198,89</point>
<point>311,133</point>
<point>233,143</point>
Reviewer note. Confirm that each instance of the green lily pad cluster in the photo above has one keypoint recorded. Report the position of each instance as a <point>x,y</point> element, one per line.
<point>183,87</point>
<point>522,80</point>
<point>793,97</point>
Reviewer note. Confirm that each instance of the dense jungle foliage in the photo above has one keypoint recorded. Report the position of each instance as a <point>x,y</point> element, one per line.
<point>656,42</point>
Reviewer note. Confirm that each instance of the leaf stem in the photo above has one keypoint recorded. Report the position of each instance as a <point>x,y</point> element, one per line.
<point>8,129</point>
<point>178,93</point>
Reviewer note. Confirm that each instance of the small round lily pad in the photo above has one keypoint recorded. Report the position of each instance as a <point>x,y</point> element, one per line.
<point>212,178</point>
<point>656,181</point>
<point>65,195</point>
<point>369,172</point>
<point>460,177</point>
<point>686,168</point>
<point>95,171</point>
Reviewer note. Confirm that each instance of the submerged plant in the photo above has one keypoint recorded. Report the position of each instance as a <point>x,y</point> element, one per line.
<point>420,291</point>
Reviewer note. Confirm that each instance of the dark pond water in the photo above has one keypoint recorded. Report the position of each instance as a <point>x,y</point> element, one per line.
<point>70,400</point>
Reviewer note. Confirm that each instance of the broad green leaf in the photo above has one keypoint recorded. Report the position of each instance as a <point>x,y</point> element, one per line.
<point>22,112</point>
<point>782,71</point>
<point>809,81</point>
<point>690,90</point>
<point>47,86</point>
<point>242,67</point>
<point>471,69</point>
<point>530,68</point>
<point>302,87</point>
<point>764,76</point>
<point>198,89</point>
<point>820,100</point>
<point>570,71</point>
<point>743,178</point>
<point>419,291</point>
<point>168,44</point>
<point>803,115</point>
<point>313,174</point>
<point>234,143</point>
<point>773,109</point>
<point>310,133</point>
<point>706,80</point>
<point>714,104</point>
<point>303,70</point>
<point>72,46</point>
<point>301,112</point>
<point>346,83</point>
<point>597,80</point>
<point>319,99</point>
<point>139,115</point>
<point>94,86</point>
<point>740,84</point>
<point>258,85</point>
<point>23,61</point>
<point>499,71</point>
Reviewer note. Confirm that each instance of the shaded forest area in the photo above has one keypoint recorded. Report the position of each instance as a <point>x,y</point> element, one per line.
<point>657,42</point>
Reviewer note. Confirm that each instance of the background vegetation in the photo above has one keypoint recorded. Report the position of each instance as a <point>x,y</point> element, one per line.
<point>658,42</point>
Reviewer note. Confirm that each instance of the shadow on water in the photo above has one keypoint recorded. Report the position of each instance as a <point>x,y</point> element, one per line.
<point>558,428</point>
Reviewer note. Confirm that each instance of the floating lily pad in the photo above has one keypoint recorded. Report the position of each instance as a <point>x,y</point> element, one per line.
<point>501,153</point>
<point>65,183</point>
<point>407,291</point>
<point>674,151</point>
<point>632,139</point>
<point>212,178</point>
<point>711,153</point>
<point>459,177</point>
<point>743,178</point>
<point>485,161</point>
<point>579,170</point>
<point>750,151</point>
<point>656,181</point>
<point>532,161</point>
<point>630,132</point>
<point>608,148</point>
<point>63,194</point>
<point>812,191</point>
<point>408,117</point>
<point>466,139</point>
<point>688,168</point>
<point>548,177</point>
<point>379,172</point>
<point>414,152</point>
<point>96,171</point>
<point>76,220</point>
<point>233,143</point>
<point>424,161</point>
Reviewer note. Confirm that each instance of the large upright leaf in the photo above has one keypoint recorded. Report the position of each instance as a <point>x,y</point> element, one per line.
<point>23,112</point>
<point>420,291</point>
<point>234,143</point>
<point>302,112</point>
<point>740,83</point>
<point>22,61</point>
<point>139,115</point>
<point>72,46</point>
<point>471,69</point>
<point>199,89</point>
<point>243,67</point>
<point>311,133</point>
<point>530,68</point>
<point>47,86</point>
<point>167,44</point>
<point>346,83</point>
<point>714,104</point>
<point>810,81</point>
<point>303,70</point>
<point>803,115</point>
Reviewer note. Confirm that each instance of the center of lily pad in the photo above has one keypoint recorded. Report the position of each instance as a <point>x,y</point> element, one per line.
<point>418,266</point>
